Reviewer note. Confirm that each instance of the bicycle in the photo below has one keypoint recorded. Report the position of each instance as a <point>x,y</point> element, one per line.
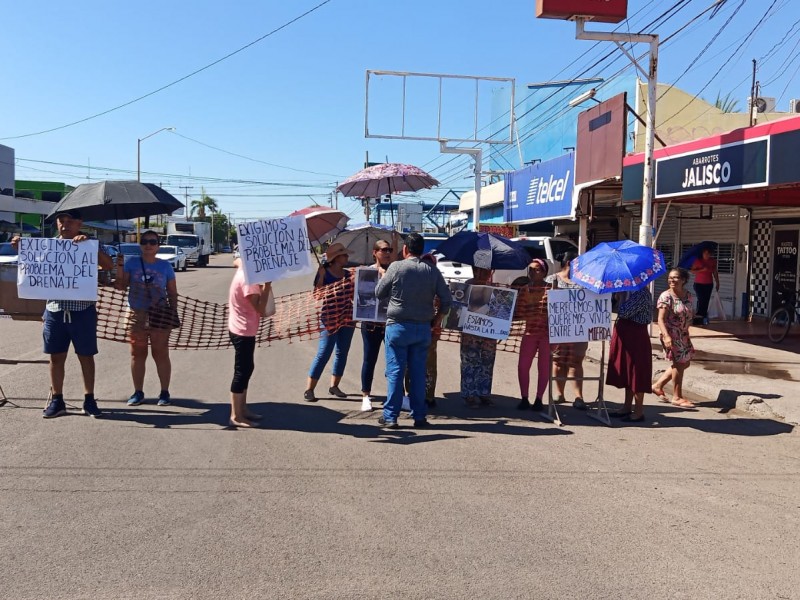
<point>781,320</point>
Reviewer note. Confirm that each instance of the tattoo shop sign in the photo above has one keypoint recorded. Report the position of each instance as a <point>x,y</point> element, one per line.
<point>273,249</point>
<point>54,269</point>
<point>578,315</point>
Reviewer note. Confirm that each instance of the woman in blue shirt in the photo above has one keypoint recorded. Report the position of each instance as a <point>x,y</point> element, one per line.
<point>152,315</point>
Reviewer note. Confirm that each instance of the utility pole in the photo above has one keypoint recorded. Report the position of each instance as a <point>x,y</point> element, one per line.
<point>186,189</point>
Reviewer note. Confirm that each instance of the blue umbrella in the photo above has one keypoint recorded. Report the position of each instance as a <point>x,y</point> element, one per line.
<point>484,250</point>
<point>623,266</point>
<point>695,252</point>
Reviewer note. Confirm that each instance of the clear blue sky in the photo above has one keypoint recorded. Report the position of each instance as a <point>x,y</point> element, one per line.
<point>296,98</point>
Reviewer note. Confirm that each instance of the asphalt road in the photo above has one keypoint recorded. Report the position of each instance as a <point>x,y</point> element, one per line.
<point>153,502</point>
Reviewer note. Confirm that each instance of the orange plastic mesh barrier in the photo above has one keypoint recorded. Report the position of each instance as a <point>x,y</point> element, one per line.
<point>301,316</point>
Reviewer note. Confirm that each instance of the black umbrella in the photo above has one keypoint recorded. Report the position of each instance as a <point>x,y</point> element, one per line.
<point>695,252</point>
<point>117,200</point>
<point>484,250</point>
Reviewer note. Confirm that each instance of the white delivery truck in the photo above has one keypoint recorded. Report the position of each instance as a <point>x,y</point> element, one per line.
<point>194,238</point>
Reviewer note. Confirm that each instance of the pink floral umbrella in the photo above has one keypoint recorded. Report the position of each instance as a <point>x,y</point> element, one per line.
<point>386,178</point>
<point>323,223</point>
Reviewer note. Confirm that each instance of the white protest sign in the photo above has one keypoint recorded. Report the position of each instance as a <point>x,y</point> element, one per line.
<point>52,269</point>
<point>489,311</point>
<point>578,315</point>
<point>273,249</point>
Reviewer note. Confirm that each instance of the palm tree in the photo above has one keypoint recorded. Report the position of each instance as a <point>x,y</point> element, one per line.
<point>205,203</point>
<point>726,104</point>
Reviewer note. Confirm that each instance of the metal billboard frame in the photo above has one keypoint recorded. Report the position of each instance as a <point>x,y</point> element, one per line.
<point>441,77</point>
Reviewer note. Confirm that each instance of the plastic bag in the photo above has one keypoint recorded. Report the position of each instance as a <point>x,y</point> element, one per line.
<point>715,309</point>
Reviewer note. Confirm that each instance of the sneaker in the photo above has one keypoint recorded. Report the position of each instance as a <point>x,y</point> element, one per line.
<point>136,398</point>
<point>431,403</point>
<point>309,396</point>
<point>335,391</point>
<point>55,408</point>
<point>420,423</point>
<point>705,320</point>
<point>579,404</point>
<point>366,404</point>
<point>406,405</point>
<point>163,398</point>
<point>523,404</point>
<point>90,407</point>
<point>387,424</point>
<point>537,404</point>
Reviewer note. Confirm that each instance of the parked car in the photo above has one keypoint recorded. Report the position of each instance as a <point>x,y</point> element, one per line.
<point>227,249</point>
<point>104,276</point>
<point>174,256</point>
<point>128,249</point>
<point>8,255</point>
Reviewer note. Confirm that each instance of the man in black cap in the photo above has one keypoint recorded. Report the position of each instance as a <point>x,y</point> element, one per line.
<point>71,321</point>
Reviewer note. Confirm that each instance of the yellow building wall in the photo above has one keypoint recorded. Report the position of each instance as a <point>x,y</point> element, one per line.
<point>681,118</point>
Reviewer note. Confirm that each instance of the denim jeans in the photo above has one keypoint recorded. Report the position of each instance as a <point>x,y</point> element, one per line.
<point>406,347</point>
<point>372,336</point>
<point>340,341</point>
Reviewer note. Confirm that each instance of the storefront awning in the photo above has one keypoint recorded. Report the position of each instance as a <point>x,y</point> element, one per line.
<point>754,166</point>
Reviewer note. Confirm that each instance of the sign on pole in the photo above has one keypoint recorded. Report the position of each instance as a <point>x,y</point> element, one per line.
<point>273,249</point>
<point>55,269</point>
<point>578,315</point>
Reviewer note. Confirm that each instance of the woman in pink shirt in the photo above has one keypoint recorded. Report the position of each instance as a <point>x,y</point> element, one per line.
<point>705,275</point>
<point>247,305</point>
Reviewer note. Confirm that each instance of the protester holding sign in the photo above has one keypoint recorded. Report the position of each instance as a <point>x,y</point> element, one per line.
<point>568,357</point>
<point>372,332</point>
<point>477,352</point>
<point>334,335</point>
<point>675,314</point>
<point>532,308</point>
<point>152,314</point>
<point>630,361</point>
<point>70,321</point>
<point>247,305</point>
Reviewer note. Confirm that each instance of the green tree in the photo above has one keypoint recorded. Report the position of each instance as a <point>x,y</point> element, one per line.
<point>206,204</point>
<point>727,103</point>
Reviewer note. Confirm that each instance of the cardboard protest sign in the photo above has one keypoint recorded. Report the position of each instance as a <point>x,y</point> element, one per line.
<point>481,310</point>
<point>367,306</point>
<point>273,249</point>
<point>53,269</point>
<point>578,315</point>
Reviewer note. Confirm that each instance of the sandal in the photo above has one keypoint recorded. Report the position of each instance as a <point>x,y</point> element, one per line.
<point>662,397</point>
<point>471,403</point>
<point>682,403</point>
<point>486,401</point>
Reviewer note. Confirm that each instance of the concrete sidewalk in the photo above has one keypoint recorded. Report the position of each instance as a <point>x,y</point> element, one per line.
<point>737,366</point>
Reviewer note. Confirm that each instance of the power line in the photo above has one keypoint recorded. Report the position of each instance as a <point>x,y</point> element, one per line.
<point>177,81</point>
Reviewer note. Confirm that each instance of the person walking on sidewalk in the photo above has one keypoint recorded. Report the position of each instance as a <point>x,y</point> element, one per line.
<point>411,285</point>
<point>247,305</point>
<point>675,312</point>
<point>532,308</point>
<point>152,314</point>
<point>706,276</point>
<point>335,335</point>
<point>71,322</point>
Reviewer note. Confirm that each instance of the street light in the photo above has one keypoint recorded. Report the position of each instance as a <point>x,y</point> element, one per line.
<point>139,167</point>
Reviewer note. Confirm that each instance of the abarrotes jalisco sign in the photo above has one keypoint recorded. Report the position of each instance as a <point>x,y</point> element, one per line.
<point>735,166</point>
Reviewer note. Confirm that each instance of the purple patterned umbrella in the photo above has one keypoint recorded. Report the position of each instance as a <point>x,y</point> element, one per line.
<point>386,178</point>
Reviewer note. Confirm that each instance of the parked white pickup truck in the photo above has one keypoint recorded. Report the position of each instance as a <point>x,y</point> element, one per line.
<point>549,249</point>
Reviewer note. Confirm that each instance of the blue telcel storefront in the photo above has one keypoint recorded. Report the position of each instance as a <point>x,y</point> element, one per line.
<point>541,192</point>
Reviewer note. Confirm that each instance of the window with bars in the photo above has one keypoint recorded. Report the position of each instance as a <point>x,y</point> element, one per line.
<point>725,255</point>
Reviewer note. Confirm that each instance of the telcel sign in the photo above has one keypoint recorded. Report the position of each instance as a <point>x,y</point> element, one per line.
<point>541,191</point>
<point>602,11</point>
